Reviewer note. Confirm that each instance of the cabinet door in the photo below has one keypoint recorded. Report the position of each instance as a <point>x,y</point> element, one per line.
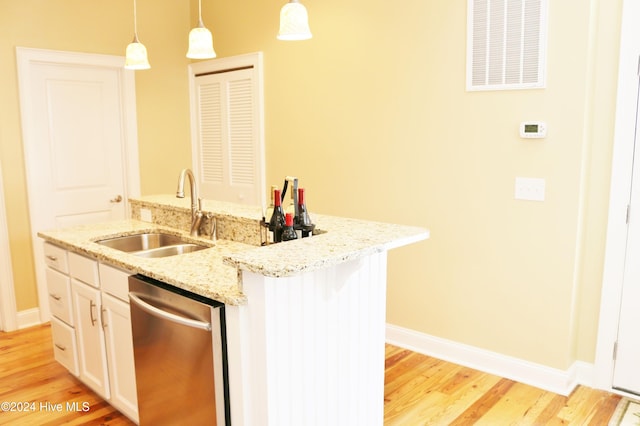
<point>116,319</point>
<point>90,338</point>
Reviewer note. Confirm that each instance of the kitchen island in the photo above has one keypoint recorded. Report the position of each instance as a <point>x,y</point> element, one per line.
<point>305,319</point>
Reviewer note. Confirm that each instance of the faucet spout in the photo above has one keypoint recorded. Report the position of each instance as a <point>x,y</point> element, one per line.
<point>196,213</point>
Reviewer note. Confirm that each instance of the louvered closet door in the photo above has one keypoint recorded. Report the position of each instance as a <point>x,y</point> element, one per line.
<point>228,140</point>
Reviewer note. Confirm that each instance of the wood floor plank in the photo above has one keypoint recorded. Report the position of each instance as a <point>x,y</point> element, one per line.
<point>419,391</point>
<point>457,403</point>
<point>584,403</point>
<point>412,385</point>
<point>521,403</point>
<point>474,413</point>
<point>549,415</point>
<point>604,410</point>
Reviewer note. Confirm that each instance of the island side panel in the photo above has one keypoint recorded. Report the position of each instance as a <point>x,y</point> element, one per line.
<point>309,349</point>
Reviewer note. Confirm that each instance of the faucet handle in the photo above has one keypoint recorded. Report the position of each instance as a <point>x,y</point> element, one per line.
<point>213,228</point>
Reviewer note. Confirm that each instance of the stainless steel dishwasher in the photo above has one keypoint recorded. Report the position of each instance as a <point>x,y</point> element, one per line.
<point>179,346</point>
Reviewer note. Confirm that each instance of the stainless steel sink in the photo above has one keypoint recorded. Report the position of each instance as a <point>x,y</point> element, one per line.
<point>152,244</point>
<point>170,250</point>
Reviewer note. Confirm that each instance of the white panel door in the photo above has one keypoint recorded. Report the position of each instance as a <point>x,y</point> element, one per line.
<point>78,137</point>
<point>626,374</point>
<point>78,124</point>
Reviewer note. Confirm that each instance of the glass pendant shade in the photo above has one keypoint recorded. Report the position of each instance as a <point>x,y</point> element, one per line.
<point>294,22</point>
<point>136,56</point>
<point>136,53</point>
<point>200,43</point>
<point>200,40</point>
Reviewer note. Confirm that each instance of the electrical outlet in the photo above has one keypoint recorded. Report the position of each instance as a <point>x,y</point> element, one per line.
<point>530,189</point>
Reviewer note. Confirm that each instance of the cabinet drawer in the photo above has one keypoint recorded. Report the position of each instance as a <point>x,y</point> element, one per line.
<point>114,281</point>
<point>84,269</point>
<point>59,288</point>
<point>64,345</point>
<point>56,258</point>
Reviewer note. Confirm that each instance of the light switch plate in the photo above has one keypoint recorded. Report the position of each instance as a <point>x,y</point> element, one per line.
<point>145,215</point>
<point>530,189</point>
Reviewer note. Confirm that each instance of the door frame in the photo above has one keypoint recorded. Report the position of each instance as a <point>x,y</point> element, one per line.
<point>619,197</point>
<point>26,57</point>
<point>8,314</point>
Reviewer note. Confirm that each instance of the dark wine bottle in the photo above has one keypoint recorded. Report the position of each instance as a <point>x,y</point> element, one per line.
<point>276,224</point>
<point>303,221</point>
<point>269,211</point>
<point>291,207</point>
<point>288,233</point>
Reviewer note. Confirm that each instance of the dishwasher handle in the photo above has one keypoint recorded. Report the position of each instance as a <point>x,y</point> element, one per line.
<point>136,299</point>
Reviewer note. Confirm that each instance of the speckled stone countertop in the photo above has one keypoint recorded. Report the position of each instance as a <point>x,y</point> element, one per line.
<point>215,272</point>
<point>202,272</point>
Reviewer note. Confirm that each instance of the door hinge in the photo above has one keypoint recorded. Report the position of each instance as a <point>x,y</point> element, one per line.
<point>615,350</point>
<point>628,213</point>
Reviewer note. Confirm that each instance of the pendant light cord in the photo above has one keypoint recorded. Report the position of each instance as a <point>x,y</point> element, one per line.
<point>200,23</point>
<point>135,21</point>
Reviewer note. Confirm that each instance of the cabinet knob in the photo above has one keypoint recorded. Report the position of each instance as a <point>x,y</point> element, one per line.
<point>117,199</point>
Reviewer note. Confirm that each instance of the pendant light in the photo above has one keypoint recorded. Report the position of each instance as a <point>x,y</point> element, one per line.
<point>294,22</point>
<point>200,40</point>
<point>136,56</point>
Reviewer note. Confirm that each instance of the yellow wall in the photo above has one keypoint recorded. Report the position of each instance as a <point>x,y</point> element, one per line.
<point>162,95</point>
<point>372,115</point>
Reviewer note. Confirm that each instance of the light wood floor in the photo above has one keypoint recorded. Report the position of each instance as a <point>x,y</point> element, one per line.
<point>419,390</point>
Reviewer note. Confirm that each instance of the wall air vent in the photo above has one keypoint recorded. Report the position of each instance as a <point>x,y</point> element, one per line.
<point>506,44</point>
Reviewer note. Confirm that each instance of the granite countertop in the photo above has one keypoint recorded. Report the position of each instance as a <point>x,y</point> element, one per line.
<point>202,272</point>
<point>215,272</point>
<point>343,240</point>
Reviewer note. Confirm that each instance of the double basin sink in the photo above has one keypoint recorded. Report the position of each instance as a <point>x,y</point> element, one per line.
<point>152,244</point>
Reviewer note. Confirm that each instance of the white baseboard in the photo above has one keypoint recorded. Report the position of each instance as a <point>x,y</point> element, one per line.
<point>540,376</point>
<point>28,318</point>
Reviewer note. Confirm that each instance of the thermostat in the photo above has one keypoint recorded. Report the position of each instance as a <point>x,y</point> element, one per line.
<point>533,129</point>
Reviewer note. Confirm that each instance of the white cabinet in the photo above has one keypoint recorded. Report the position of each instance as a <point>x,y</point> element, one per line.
<point>92,353</point>
<point>59,288</point>
<point>116,323</point>
<point>65,350</point>
<point>56,258</point>
<point>114,281</point>
<point>91,325</point>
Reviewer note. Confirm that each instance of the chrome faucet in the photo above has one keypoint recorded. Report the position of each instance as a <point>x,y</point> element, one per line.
<point>196,202</point>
